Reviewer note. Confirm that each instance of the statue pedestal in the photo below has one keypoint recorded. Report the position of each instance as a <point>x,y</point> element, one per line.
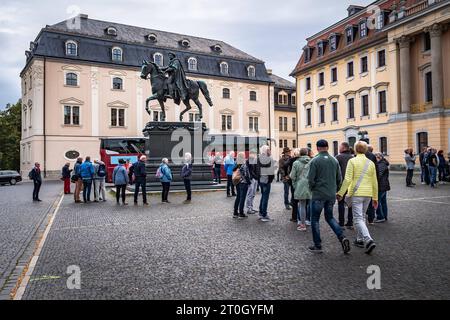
<point>172,140</point>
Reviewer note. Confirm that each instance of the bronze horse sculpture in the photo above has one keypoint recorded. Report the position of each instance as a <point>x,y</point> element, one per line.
<point>158,81</point>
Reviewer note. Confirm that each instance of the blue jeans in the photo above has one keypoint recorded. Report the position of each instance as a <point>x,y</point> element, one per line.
<point>382,211</point>
<point>432,175</point>
<point>316,209</point>
<point>217,173</point>
<point>264,203</point>
<point>286,193</point>
<point>87,185</point>
<point>239,202</point>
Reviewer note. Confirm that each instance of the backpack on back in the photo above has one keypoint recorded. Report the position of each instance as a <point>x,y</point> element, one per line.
<point>159,173</point>
<point>30,174</point>
<point>101,171</point>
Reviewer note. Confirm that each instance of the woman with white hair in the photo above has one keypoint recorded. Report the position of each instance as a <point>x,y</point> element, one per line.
<point>243,173</point>
<point>165,176</point>
<point>362,186</point>
<point>186,174</point>
<point>267,174</point>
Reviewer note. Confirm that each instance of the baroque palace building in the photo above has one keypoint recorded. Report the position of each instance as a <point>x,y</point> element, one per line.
<point>285,102</point>
<point>382,73</point>
<point>81,82</point>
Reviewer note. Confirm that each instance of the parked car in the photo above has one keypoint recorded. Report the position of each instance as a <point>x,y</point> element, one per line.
<point>9,176</point>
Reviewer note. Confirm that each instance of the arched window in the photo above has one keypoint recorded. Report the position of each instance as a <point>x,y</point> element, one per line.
<point>71,48</point>
<point>158,59</point>
<point>251,71</point>
<point>224,68</point>
<point>252,95</point>
<point>71,79</point>
<point>117,83</point>
<point>226,93</point>
<point>192,64</point>
<point>116,54</point>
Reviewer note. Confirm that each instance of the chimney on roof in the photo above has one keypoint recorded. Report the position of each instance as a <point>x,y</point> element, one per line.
<point>83,16</point>
<point>269,71</point>
<point>354,9</point>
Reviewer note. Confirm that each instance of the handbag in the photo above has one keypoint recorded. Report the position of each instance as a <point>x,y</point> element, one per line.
<point>349,199</point>
<point>236,178</point>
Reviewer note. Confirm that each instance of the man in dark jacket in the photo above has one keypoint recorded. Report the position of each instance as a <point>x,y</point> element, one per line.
<point>35,175</point>
<point>383,188</point>
<point>287,169</point>
<point>140,180</point>
<point>65,175</point>
<point>285,175</point>
<point>324,179</point>
<point>186,174</point>
<point>343,157</point>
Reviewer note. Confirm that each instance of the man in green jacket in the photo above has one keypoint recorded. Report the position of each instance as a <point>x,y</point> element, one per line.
<point>324,180</point>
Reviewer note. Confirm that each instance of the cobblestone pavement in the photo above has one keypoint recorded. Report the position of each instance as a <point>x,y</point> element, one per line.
<point>198,251</point>
<point>20,218</point>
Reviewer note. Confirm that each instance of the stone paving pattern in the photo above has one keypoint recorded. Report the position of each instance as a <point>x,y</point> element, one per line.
<point>197,251</point>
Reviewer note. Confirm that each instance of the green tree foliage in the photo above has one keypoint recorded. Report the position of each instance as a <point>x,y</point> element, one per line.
<point>10,134</point>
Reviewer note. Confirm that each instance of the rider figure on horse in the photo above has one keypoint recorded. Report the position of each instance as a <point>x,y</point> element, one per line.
<point>176,81</point>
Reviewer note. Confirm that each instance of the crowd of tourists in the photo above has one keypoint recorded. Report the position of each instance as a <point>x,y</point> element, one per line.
<point>434,169</point>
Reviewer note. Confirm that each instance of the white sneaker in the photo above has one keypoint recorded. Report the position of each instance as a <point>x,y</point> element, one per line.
<point>308,223</point>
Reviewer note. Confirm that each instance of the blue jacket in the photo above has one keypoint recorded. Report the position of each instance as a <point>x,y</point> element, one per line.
<point>166,173</point>
<point>229,165</point>
<point>120,175</point>
<point>87,170</point>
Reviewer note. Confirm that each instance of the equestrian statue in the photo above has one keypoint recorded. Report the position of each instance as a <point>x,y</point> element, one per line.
<point>170,83</point>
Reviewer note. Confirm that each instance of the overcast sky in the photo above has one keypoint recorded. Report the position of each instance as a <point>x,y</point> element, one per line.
<point>274,31</point>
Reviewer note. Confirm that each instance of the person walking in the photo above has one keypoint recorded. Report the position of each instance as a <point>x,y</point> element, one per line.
<point>284,176</point>
<point>361,185</point>
<point>140,180</point>
<point>324,178</point>
<point>252,164</point>
<point>410,160</point>
<point>370,155</point>
<point>229,165</point>
<point>302,193</point>
<point>266,169</point>
<point>383,188</point>
<point>99,180</point>
<point>242,186</point>
<point>87,174</point>
<point>35,175</point>
<point>186,174</point>
<point>217,167</point>
<point>76,177</point>
<point>165,176</point>
<point>441,166</point>
<point>343,157</point>
<point>287,169</point>
<point>433,163</point>
<point>65,177</point>
<point>120,180</point>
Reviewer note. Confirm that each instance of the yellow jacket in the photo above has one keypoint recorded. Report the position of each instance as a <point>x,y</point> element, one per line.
<point>369,184</point>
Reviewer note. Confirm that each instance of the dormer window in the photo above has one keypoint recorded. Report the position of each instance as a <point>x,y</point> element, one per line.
<point>334,42</point>
<point>71,48</point>
<point>111,31</point>
<point>363,29</point>
<point>192,64</point>
<point>380,20</point>
<point>152,37</point>
<point>185,43</point>
<point>308,53</point>
<point>321,48</point>
<point>116,54</point>
<point>217,48</point>
<point>349,35</point>
<point>224,68</point>
<point>251,71</point>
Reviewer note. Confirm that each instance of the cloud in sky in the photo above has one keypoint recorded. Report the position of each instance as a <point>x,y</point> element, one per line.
<point>274,31</point>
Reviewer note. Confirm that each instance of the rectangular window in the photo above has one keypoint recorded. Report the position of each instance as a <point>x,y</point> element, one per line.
<point>321,79</point>
<point>308,83</point>
<point>349,35</point>
<point>308,117</point>
<point>320,49</point>
<point>333,46</point>
<point>365,105</point>
<point>380,21</point>
<point>229,123</point>
<point>335,111</point>
<point>364,65</point>
<point>351,108</point>
<point>334,75</point>
<point>426,41</point>
<point>293,100</point>
<point>381,58</point>
<point>382,101</point>
<point>117,117</point>
<point>226,122</point>
<point>253,124</point>
<point>294,123</point>
<point>428,87</point>
<point>363,29</point>
<point>285,124</point>
<point>322,114</point>
<point>67,115</point>
<point>76,116</point>
<point>285,144</point>
<point>71,115</point>
<point>350,70</point>
<point>383,145</point>
<point>294,144</point>
<point>280,144</point>
<point>280,124</point>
